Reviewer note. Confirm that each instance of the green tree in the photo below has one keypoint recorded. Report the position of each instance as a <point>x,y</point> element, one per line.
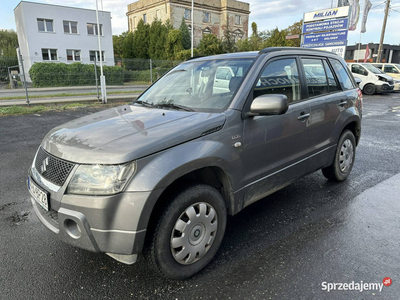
<point>228,41</point>
<point>210,45</point>
<point>118,41</point>
<point>8,42</point>
<point>8,53</point>
<point>157,39</point>
<point>254,42</point>
<point>174,43</point>
<point>186,41</point>
<point>141,40</point>
<point>275,38</point>
<point>293,30</point>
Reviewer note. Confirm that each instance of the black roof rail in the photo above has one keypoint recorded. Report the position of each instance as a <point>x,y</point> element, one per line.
<point>275,49</point>
<point>197,56</point>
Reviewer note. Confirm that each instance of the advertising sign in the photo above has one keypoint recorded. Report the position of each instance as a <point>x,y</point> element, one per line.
<point>326,39</point>
<point>338,24</point>
<point>324,14</point>
<point>340,50</point>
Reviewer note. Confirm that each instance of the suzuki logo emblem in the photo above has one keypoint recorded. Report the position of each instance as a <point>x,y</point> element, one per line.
<point>45,163</point>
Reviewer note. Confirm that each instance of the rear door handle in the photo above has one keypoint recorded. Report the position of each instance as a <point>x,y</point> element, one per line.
<point>342,103</point>
<point>303,116</point>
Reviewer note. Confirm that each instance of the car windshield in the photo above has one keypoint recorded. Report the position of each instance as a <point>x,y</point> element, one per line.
<point>198,85</point>
<point>397,67</point>
<point>372,69</point>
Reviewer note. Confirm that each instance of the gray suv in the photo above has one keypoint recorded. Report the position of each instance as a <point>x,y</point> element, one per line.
<point>209,138</point>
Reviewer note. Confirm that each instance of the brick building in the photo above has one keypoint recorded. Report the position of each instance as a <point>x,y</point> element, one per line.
<point>210,16</point>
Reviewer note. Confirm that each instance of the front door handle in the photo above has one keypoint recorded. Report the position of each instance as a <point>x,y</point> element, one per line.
<point>303,116</point>
<point>342,103</point>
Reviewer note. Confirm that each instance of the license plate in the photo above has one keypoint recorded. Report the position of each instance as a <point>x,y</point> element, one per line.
<point>40,196</point>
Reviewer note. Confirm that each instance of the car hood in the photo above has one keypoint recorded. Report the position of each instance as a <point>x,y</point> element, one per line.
<point>388,77</point>
<point>127,133</point>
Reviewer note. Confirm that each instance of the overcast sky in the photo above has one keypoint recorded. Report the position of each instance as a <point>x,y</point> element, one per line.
<point>267,14</point>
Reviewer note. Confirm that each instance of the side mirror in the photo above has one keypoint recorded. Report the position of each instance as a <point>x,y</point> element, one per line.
<point>358,81</point>
<point>268,104</point>
<point>365,73</point>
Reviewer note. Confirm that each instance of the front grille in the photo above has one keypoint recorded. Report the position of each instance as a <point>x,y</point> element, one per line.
<point>52,168</point>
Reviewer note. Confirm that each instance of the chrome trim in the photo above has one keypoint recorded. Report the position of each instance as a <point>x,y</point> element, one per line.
<point>42,181</point>
<point>118,231</point>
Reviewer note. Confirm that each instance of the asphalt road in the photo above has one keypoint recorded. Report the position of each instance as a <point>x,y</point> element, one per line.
<point>282,247</point>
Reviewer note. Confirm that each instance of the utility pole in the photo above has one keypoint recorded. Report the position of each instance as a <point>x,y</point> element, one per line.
<point>379,58</point>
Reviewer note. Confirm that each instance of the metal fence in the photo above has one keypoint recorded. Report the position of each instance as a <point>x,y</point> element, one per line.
<point>84,72</point>
<point>81,77</point>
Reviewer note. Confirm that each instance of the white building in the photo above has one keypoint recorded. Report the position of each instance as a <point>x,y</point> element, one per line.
<point>53,33</point>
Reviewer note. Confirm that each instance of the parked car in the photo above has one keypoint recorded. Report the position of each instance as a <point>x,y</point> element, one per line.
<point>373,79</point>
<point>160,176</point>
<point>392,70</point>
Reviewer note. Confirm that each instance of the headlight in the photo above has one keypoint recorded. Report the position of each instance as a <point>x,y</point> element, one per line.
<point>100,179</point>
<point>382,78</point>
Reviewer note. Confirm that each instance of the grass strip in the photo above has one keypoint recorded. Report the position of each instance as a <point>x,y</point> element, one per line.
<point>67,95</point>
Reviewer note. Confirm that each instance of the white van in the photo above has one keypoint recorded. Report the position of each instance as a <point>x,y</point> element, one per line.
<point>373,79</point>
<point>392,70</point>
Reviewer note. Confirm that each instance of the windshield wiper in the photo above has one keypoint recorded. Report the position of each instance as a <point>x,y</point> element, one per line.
<point>176,106</point>
<point>144,103</point>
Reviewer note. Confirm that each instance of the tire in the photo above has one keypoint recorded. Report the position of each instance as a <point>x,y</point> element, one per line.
<point>343,162</point>
<point>369,89</point>
<point>195,242</point>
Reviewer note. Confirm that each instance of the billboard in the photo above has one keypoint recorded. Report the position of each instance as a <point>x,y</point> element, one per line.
<point>326,29</point>
<point>325,14</point>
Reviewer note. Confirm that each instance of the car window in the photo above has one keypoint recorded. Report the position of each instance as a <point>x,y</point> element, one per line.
<point>342,75</point>
<point>315,77</point>
<point>333,86</point>
<point>378,66</point>
<point>279,77</point>
<point>357,69</point>
<point>223,73</point>
<point>390,69</point>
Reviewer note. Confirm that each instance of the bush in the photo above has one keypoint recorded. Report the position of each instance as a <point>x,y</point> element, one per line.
<point>75,74</point>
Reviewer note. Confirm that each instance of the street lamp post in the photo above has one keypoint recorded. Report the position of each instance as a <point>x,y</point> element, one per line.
<point>102,77</point>
<point>192,14</point>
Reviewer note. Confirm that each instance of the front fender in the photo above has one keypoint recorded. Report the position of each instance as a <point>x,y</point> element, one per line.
<point>156,172</point>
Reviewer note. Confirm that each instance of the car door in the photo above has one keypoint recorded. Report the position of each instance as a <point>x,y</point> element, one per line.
<point>275,146</point>
<point>327,101</point>
<point>360,72</point>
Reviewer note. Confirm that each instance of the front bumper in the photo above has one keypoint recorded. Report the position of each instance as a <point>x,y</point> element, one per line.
<point>106,224</point>
<point>384,88</point>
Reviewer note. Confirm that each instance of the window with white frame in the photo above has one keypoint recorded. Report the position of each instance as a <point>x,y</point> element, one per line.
<point>206,17</point>
<point>144,18</point>
<point>73,55</point>
<point>92,29</point>
<point>49,54</point>
<point>45,25</point>
<point>70,27</point>
<point>95,55</point>
<point>188,14</point>
<point>238,20</point>
<point>206,31</point>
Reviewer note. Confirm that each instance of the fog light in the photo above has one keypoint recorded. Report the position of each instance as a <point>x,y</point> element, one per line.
<point>72,229</point>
